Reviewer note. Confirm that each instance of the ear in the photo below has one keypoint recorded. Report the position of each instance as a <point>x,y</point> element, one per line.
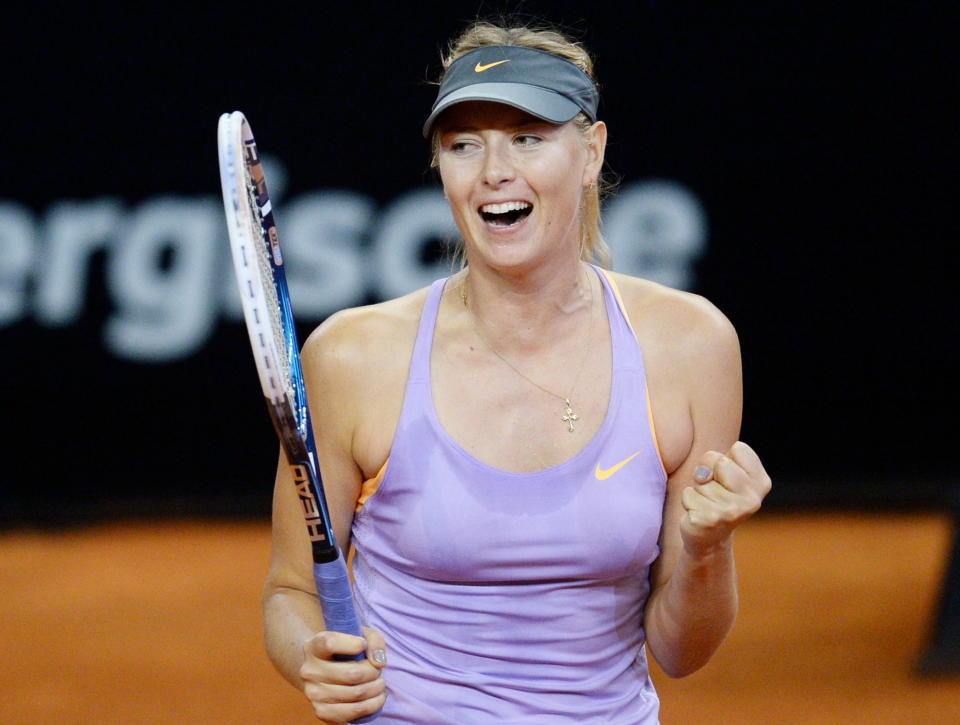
<point>596,140</point>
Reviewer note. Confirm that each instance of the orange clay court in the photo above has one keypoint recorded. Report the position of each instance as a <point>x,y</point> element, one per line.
<point>160,623</point>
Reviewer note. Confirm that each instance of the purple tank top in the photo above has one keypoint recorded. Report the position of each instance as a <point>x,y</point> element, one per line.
<point>514,597</point>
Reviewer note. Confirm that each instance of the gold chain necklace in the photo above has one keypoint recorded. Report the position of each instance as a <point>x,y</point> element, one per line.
<point>569,416</point>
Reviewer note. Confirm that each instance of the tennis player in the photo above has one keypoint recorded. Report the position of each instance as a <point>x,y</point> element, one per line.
<point>535,459</point>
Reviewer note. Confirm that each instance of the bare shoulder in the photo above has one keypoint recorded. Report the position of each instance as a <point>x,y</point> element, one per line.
<point>676,321</point>
<point>692,359</point>
<point>358,341</point>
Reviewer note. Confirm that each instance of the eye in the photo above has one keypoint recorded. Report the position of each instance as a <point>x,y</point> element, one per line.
<point>527,140</point>
<point>458,145</point>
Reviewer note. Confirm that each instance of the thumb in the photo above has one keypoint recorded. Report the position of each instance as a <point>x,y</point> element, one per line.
<point>327,644</point>
<point>702,473</point>
<point>376,647</point>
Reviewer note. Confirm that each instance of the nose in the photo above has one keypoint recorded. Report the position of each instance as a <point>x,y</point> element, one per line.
<point>497,165</point>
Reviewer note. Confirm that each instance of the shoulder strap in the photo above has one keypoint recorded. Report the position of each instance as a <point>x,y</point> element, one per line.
<point>420,362</point>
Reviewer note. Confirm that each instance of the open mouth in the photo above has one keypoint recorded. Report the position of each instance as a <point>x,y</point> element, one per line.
<point>505,214</point>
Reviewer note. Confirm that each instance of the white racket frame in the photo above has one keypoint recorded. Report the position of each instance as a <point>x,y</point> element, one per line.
<point>233,131</point>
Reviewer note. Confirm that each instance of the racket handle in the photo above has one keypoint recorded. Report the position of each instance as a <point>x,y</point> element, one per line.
<point>336,599</point>
<point>339,612</point>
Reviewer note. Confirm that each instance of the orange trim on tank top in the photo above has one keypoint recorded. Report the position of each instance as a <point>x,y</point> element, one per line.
<point>367,489</point>
<point>370,486</point>
<point>623,309</point>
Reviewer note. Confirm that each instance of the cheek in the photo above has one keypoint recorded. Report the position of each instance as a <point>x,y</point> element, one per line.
<point>563,189</point>
<point>455,183</point>
<point>560,176</point>
<point>457,195</point>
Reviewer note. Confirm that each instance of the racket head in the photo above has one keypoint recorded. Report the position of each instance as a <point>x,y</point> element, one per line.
<point>261,279</point>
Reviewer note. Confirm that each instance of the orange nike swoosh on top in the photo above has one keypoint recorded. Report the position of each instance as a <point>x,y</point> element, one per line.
<point>603,475</point>
<point>481,68</point>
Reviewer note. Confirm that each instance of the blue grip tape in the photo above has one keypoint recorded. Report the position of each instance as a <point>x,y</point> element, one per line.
<point>336,597</point>
<point>339,612</point>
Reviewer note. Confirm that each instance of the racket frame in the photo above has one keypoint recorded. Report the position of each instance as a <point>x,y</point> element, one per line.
<point>250,221</point>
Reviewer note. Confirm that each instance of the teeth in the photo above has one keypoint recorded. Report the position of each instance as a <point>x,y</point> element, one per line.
<point>504,207</point>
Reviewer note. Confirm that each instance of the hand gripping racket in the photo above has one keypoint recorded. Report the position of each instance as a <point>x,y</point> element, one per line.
<point>258,264</point>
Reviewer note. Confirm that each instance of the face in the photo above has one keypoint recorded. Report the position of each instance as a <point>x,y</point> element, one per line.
<point>514,182</point>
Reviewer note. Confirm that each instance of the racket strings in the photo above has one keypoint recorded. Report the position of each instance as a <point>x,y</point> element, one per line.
<point>274,312</point>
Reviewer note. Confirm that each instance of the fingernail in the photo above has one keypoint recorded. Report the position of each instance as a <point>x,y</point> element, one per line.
<point>379,656</point>
<point>702,473</point>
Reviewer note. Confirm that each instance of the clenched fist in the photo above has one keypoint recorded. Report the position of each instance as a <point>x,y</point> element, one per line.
<point>729,488</point>
<point>341,691</point>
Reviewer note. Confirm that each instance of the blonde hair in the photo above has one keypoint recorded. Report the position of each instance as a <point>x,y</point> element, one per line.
<point>482,33</point>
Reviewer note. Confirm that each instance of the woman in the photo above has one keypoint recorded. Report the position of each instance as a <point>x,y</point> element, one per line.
<point>534,459</point>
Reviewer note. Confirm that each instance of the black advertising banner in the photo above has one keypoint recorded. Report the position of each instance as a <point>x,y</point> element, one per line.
<point>791,163</point>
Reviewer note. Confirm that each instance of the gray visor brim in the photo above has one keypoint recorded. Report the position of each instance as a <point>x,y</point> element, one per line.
<point>539,102</point>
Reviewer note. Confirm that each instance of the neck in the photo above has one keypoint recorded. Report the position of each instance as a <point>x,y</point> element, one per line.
<point>525,311</point>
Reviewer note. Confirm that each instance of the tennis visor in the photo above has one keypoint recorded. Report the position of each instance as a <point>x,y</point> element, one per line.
<point>540,83</point>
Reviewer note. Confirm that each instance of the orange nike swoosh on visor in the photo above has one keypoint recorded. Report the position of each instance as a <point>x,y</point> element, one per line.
<point>481,68</point>
<point>603,475</point>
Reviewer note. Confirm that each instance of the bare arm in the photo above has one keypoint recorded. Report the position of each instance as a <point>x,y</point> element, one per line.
<point>294,630</point>
<point>693,602</point>
<point>291,609</point>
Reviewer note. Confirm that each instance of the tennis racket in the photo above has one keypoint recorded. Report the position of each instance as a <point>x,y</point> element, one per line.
<point>258,264</point>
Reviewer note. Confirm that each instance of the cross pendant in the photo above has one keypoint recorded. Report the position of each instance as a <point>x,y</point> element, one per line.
<point>568,415</point>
